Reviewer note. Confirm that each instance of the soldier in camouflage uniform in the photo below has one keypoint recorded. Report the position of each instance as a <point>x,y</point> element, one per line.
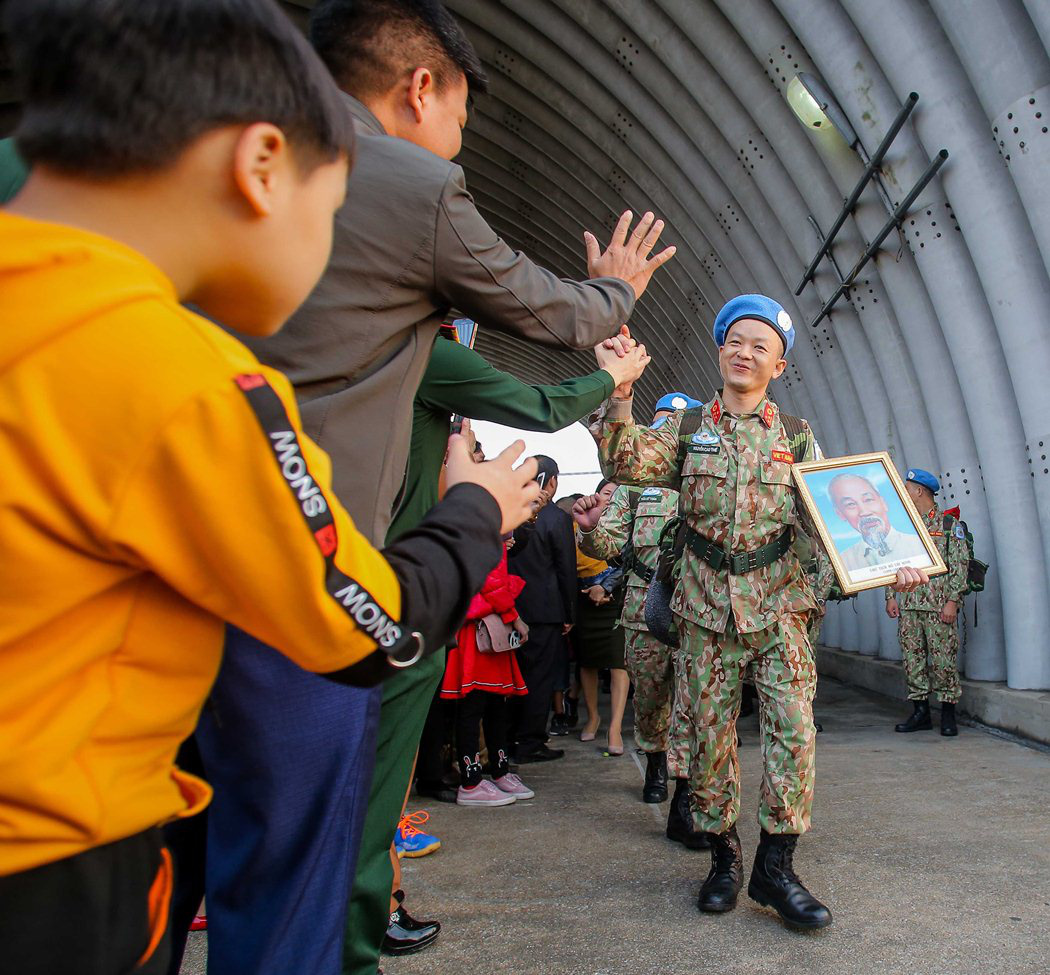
<point>639,516</point>
<point>742,601</point>
<point>928,628</point>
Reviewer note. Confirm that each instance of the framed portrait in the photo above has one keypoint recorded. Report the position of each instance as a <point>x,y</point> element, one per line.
<point>866,520</point>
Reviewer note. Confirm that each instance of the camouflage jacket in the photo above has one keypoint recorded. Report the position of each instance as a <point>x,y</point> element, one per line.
<point>654,508</point>
<point>734,475</point>
<point>955,553</point>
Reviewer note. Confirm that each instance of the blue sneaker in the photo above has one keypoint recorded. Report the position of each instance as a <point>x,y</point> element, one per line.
<point>410,840</point>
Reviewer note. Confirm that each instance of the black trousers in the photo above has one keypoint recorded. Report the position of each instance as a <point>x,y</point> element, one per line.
<point>188,841</point>
<point>539,658</point>
<point>477,708</point>
<point>101,912</point>
<point>432,764</point>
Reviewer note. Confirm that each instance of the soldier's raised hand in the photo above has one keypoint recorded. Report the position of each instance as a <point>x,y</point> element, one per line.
<point>627,256</point>
<point>587,511</point>
<point>626,367</point>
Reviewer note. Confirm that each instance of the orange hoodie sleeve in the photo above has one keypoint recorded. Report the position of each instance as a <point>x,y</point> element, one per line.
<point>233,507</point>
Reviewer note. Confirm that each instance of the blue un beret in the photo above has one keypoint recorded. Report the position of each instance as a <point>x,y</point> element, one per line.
<point>676,401</point>
<point>754,306</point>
<point>925,478</point>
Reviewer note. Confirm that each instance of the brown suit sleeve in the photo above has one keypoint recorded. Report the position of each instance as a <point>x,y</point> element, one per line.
<point>477,273</point>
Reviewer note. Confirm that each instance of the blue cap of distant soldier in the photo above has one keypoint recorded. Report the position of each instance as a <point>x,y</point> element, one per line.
<point>925,478</point>
<point>754,306</point>
<point>676,401</point>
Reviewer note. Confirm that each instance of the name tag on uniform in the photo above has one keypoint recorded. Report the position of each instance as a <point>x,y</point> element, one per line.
<point>784,456</point>
<point>705,443</point>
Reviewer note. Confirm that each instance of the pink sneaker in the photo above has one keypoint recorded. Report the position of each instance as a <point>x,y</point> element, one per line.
<point>513,786</point>
<point>483,794</point>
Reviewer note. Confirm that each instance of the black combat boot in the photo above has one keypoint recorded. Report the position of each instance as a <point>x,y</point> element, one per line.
<point>723,883</point>
<point>948,726</point>
<point>680,820</point>
<point>655,788</point>
<point>919,719</point>
<point>774,884</point>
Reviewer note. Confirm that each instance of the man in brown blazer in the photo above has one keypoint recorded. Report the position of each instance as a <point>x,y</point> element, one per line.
<point>409,245</point>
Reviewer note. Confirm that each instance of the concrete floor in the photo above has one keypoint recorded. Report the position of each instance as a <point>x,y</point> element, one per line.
<point>933,854</point>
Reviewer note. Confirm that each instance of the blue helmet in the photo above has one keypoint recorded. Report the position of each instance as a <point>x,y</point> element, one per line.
<point>676,401</point>
<point>754,306</point>
<point>925,478</point>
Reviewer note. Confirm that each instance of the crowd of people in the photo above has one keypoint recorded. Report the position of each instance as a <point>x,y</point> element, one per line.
<point>240,530</point>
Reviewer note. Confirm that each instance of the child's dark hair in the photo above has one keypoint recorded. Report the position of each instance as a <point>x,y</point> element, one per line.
<point>121,86</point>
<point>546,468</point>
<point>369,45</point>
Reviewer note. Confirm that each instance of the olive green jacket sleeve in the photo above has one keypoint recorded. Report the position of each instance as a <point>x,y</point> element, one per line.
<point>459,380</point>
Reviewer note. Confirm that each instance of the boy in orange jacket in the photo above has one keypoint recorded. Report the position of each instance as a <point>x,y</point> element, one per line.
<point>156,480</point>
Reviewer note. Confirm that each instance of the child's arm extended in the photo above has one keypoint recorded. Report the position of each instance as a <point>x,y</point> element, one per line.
<point>233,507</point>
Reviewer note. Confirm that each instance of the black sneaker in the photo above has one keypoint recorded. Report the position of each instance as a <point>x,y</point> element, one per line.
<point>436,790</point>
<point>405,935</point>
<point>559,726</point>
<point>541,754</point>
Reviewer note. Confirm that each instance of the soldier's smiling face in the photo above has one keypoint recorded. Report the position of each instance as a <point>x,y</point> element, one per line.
<point>752,356</point>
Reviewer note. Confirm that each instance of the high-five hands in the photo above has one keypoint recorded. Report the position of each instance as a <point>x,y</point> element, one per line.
<point>627,256</point>
<point>614,356</point>
<point>623,358</point>
<point>513,487</point>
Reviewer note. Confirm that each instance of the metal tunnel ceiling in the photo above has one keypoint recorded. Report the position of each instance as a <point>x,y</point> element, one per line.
<point>941,354</point>
<point>941,351</point>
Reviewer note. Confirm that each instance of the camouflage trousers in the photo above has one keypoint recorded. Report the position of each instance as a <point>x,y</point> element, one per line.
<point>780,663</point>
<point>660,718</point>
<point>816,624</point>
<point>930,650</point>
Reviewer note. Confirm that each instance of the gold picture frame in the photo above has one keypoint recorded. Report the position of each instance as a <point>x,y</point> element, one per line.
<point>864,532</point>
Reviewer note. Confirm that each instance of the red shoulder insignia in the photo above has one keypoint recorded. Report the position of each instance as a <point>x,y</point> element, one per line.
<point>769,414</point>
<point>716,411</point>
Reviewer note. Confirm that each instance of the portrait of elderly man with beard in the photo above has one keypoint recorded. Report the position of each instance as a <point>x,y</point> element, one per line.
<point>858,502</point>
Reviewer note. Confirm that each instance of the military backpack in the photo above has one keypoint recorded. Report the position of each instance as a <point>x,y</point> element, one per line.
<point>976,570</point>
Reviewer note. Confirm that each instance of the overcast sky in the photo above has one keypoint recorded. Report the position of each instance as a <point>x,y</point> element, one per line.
<point>573,449</point>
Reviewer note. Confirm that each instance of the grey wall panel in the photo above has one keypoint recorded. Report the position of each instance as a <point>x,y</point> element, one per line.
<point>1039,11</point>
<point>1002,360</point>
<point>846,63</point>
<point>1010,73</point>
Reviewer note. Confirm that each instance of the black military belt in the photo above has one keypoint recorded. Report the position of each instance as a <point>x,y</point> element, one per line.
<point>643,571</point>
<point>740,562</point>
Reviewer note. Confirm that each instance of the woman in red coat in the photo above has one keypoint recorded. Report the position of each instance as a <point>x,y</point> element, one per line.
<point>483,683</point>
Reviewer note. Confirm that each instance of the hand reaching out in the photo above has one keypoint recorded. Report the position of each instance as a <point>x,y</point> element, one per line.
<point>512,487</point>
<point>627,256</point>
